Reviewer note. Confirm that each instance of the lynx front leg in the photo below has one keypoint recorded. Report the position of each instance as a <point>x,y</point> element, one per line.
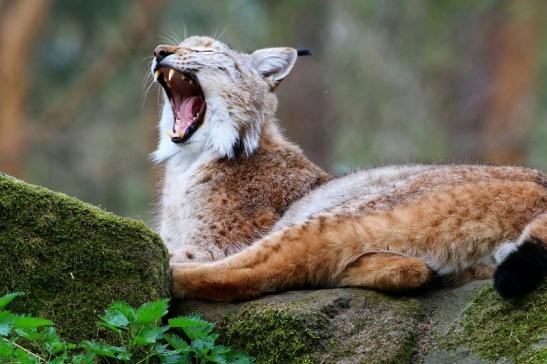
<point>209,281</point>
<point>386,272</point>
<point>311,254</point>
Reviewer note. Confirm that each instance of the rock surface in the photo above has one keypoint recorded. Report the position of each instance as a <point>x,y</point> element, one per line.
<point>467,324</point>
<point>337,325</point>
<point>72,259</point>
<point>495,330</point>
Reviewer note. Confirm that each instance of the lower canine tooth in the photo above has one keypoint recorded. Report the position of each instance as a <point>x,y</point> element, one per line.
<point>171,133</point>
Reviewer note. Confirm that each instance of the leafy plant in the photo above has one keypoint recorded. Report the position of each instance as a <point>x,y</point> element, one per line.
<point>141,338</point>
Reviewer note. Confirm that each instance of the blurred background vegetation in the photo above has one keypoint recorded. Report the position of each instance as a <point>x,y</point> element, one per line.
<point>389,82</point>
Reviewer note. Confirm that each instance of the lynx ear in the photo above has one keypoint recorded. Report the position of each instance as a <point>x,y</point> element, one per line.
<point>274,64</point>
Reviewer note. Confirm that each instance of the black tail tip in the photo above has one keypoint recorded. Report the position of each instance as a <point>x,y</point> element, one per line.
<point>303,52</point>
<point>522,271</point>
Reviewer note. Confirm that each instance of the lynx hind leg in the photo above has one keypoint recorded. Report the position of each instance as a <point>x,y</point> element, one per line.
<point>387,272</point>
<point>523,268</point>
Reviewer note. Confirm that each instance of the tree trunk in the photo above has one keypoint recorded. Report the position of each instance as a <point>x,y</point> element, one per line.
<point>494,85</point>
<point>514,43</point>
<point>19,26</point>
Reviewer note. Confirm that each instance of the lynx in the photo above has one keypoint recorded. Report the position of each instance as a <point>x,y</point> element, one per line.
<point>244,213</point>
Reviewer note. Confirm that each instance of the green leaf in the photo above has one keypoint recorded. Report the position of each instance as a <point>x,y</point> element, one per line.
<point>23,322</point>
<point>24,357</point>
<point>222,354</point>
<point>177,359</point>
<point>6,322</point>
<point>168,356</point>
<point>193,326</point>
<point>221,350</point>
<point>7,298</point>
<point>58,360</point>
<point>150,335</point>
<point>87,358</point>
<point>106,350</point>
<point>217,354</point>
<point>53,343</point>
<point>31,334</point>
<point>6,349</point>
<point>125,309</point>
<point>238,358</point>
<point>177,343</point>
<point>203,349</point>
<point>152,312</point>
<point>114,319</point>
<point>202,346</point>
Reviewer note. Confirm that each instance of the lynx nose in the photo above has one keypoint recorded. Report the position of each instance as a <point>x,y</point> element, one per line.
<point>162,51</point>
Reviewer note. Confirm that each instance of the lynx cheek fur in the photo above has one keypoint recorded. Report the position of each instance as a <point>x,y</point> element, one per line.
<point>231,219</point>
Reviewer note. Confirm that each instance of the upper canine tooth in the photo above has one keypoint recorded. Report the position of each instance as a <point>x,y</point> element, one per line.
<point>156,75</point>
<point>171,74</point>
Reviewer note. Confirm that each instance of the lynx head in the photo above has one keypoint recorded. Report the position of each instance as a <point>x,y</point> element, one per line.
<point>216,99</point>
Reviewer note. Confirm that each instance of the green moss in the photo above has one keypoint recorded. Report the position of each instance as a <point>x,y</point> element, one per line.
<point>73,259</point>
<point>274,334</point>
<point>392,327</point>
<point>323,326</point>
<point>538,357</point>
<point>495,328</point>
<point>408,347</point>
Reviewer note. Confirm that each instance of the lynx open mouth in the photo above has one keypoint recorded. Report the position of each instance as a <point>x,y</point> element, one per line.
<point>187,102</point>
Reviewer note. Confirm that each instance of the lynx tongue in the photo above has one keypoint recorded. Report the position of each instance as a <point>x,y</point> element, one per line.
<point>189,110</point>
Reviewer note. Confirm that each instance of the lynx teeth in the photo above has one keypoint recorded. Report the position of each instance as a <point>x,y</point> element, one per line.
<point>156,75</point>
<point>171,74</point>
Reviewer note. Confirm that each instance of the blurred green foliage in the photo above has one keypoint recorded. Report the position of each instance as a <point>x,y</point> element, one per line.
<point>396,82</point>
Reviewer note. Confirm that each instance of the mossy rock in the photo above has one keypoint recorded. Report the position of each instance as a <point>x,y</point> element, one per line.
<point>473,324</point>
<point>323,326</point>
<point>497,330</point>
<point>467,324</point>
<point>72,259</point>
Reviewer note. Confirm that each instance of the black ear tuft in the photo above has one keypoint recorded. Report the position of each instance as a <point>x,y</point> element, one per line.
<point>522,271</point>
<point>303,52</point>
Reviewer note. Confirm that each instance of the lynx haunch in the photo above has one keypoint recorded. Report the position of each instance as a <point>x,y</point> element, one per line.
<point>243,212</point>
